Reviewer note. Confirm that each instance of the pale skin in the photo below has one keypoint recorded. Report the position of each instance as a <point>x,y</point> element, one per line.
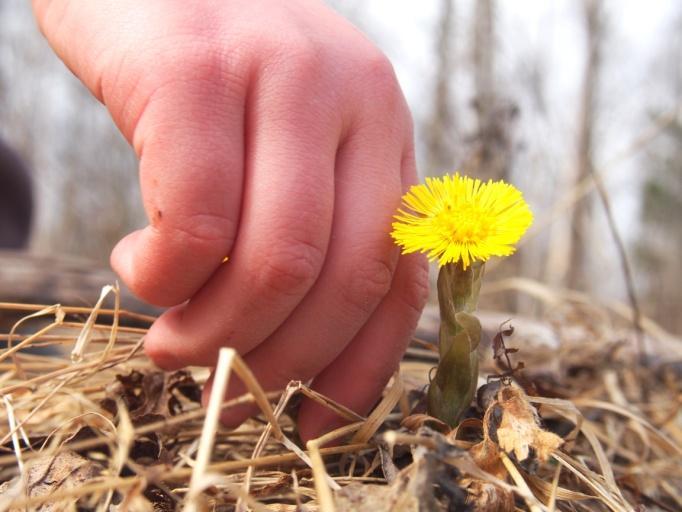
<point>276,133</point>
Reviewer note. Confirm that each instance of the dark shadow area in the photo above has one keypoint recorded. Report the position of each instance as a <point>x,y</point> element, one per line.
<point>16,200</point>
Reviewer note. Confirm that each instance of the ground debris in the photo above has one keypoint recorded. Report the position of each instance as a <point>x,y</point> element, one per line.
<point>569,430</point>
<point>429,482</point>
<point>152,393</point>
<point>378,498</point>
<point>487,497</point>
<point>47,475</point>
<point>513,424</point>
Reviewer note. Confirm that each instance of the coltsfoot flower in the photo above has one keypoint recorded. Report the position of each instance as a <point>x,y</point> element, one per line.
<point>457,218</point>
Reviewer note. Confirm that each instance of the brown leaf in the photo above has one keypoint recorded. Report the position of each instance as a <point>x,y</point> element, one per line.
<point>152,393</point>
<point>511,424</point>
<point>65,470</point>
<point>414,422</point>
<point>428,483</point>
<point>388,467</point>
<point>486,456</point>
<point>519,430</point>
<point>486,497</point>
<point>377,498</point>
<point>183,382</point>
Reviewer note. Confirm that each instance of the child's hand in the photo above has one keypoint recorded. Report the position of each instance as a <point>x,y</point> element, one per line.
<point>275,133</point>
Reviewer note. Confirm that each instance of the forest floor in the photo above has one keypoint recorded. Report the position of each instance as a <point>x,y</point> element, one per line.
<point>573,413</point>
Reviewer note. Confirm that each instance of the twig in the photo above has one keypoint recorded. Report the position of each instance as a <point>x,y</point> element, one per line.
<point>13,427</point>
<point>213,410</point>
<point>121,483</point>
<point>521,486</point>
<point>323,482</point>
<point>584,187</point>
<point>625,266</point>
<point>77,310</point>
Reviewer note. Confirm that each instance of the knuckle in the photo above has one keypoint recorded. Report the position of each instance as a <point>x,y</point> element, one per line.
<point>369,281</point>
<point>299,73</point>
<point>379,77</point>
<point>378,69</point>
<point>378,95</point>
<point>200,59</point>
<point>208,67</point>
<point>290,268</point>
<point>204,229</point>
<point>296,58</point>
<point>306,63</point>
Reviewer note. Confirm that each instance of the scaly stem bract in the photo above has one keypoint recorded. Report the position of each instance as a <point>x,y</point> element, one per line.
<point>454,384</point>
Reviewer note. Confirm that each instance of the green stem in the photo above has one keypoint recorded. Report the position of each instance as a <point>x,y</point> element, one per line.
<point>454,384</point>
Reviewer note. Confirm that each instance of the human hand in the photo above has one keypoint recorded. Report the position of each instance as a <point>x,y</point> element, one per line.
<point>275,133</point>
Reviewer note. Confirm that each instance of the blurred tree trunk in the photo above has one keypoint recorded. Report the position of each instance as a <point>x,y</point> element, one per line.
<point>578,264</point>
<point>658,247</point>
<point>440,131</point>
<point>492,142</point>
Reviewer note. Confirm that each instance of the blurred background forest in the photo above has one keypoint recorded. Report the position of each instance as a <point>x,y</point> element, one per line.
<point>556,97</point>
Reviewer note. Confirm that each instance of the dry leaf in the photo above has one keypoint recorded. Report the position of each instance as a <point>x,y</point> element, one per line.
<point>414,422</point>
<point>519,430</point>
<point>511,424</point>
<point>486,456</point>
<point>65,470</point>
<point>412,490</point>
<point>152,393</point>
<point>377,498</point>
<point>487,497</point>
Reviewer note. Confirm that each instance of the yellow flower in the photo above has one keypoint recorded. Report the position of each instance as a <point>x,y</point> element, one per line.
<point>459,218</point>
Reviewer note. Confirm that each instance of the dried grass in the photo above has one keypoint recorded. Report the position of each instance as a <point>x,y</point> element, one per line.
<point>94,423</point>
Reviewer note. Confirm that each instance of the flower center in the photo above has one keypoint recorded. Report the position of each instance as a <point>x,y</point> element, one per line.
<point>464,223</point>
